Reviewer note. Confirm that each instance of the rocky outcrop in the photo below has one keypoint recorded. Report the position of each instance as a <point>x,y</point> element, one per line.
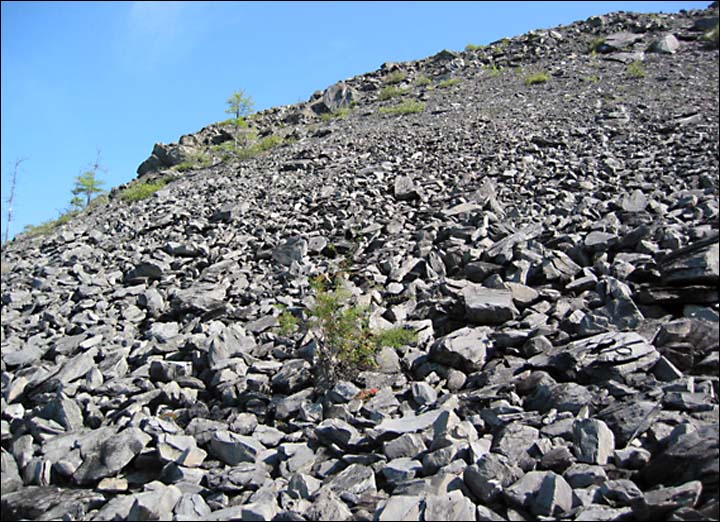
<point>554,246</point>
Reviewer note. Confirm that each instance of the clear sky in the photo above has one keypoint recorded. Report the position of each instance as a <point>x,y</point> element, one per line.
<point>120,76</point>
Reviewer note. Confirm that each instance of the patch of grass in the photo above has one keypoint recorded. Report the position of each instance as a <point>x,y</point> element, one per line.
<point>340,114</point>
<point>635,69</point>
<point>493,70</point>
<point>593,78</point>
<point>46,227</point>
<point>539,77</point>
<point>473,47</point>
<point>390,92</point>
<point>142,190</point>
<point>396,337</point>
<point>423,81</point>
<point>198,160</point>
<point>395,77</point>
<point>239,123</point>
<point>405,107</point>
<point>449,83</point>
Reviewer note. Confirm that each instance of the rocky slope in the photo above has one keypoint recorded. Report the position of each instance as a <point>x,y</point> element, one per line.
<point>554,244</point>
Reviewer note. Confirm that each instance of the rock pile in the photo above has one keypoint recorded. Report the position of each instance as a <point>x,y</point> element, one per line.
<point>554,245</point>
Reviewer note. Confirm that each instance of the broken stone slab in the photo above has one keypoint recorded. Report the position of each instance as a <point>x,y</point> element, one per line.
<point>541,492</point>
<point>49,503</point>
<point>405,188</point>
<point>488,305</point>
<point>667,44</point>
<point>232,448</point>
<point>607,355</point>
<point>400,507</point>
<point>337,431</point>
<point>695,264</point>
<point>356,479</point>
<point>465,349</point>
<point>452,505</point>
<point>490,475</point>
<point>203,296</point>
<point>155,503</point>
<point>658,503</point>
<point>629,419</point>
<point>334,98</point>
<point>691,456</point>
<point>328,506</point>
<point>390,428</point>
<point>111,455</point>
<point>294,249</point>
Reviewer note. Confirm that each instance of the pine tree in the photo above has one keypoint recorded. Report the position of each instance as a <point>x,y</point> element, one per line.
<point>240,104</point>
<point>87,185</point>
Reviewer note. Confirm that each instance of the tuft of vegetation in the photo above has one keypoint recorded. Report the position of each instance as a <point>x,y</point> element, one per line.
<point>287,322</point>
<point>539,77</point>
<point>449,83</point>
<point>395,77</point>
<point>390,92</point>
<point>593,78</point>
<point>406,107</point>
<point>423,81</point>
<point>472,47</point>
<point>595,45</point>
<point>493,69</point>
<point>142,190</point>
<point>712,38</point>
<point>636,69</point>
<point>345,343</point>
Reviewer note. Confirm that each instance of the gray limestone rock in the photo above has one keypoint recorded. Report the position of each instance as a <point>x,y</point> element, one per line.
<point>110,455</point>
<point>233,449</point>
<point>400,507</point>
<point>593,441</point>
<point>49,503</point>
<point>465,349</point>
<point>488,305</point>
<point>452,505</point>
<point>492,473</point>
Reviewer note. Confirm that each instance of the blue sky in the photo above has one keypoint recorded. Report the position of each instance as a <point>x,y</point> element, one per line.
<point>120,76</point>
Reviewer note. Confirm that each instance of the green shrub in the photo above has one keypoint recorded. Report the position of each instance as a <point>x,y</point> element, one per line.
<point>593,78</point>
<point>636,69</point>
<point>391,91</point>
<point>345,343</point>
<point>287,323</point>
<point>449,83</point>
<point>595,45</point>
<point>395,77</point>
<point>406,107</point>
<point>473,47</point>
<point>539,77</point>
<point>712,37</point>
<point>422,81</point>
